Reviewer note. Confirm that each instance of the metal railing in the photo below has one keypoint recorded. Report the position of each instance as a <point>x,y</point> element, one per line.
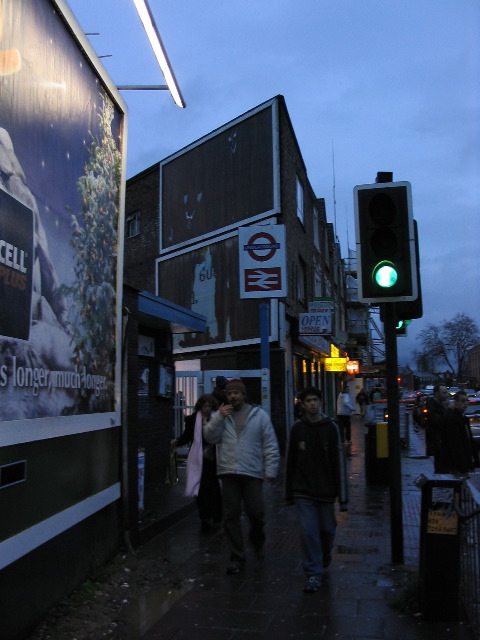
<point>469,515</point>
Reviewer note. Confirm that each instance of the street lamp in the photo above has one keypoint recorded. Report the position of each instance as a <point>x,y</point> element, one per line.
<point>150,27</point>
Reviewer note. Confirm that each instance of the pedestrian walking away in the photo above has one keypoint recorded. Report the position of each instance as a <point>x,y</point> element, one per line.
<point>345,409</point>
<point>202,481</point>
<point>315,478</point>
<point>362,401</point>
<point>219,390</point>
<point>247,453</point>
<point>436,410</point>
<point>459,454</point>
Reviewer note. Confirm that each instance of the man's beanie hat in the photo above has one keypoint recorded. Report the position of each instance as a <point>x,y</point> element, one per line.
<point>236,385</point>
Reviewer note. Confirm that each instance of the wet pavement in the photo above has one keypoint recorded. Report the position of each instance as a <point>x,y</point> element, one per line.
<point>362,595</point>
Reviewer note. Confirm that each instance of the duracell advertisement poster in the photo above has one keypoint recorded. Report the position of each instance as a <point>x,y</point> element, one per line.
<point>60,175</point>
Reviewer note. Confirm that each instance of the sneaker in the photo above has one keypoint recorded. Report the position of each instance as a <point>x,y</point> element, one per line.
<point>327,559</point>
<point>234,567</point>
<point>312,584</point>
<point>259,558</point>
<point>260,553</point>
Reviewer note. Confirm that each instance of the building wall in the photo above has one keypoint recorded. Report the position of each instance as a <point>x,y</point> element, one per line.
<point>473,364</point>
<point>319,271</point>
<point>142,195</point>
<point>61,472</point>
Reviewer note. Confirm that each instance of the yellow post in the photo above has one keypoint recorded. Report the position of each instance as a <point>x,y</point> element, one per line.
<point>382,439</point>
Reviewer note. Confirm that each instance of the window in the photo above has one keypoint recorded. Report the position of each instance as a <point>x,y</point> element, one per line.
<point>300,213</point>
<point>316,238</point>
<point>318,285</point>
<point>301,280</point>
<point>133,225</point>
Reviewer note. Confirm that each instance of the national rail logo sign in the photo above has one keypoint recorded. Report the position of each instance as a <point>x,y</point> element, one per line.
<point>262,260</point>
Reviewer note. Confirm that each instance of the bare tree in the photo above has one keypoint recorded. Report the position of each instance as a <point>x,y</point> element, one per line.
<point>424,361</point>
<point>449,341</point>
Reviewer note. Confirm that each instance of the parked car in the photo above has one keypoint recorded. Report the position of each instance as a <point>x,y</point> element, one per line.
<point>453,390</point>
<point>470,392</point>
<point>409,398</point>
<point>473,414</point>
<point>419,411</point>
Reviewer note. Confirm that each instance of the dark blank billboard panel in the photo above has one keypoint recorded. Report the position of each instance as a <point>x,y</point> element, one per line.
<point>219,182</point>
<point>206,281</point>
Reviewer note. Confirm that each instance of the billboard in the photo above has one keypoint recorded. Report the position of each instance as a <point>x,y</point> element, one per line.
<point>224,179</point>
<point>61,198</point>
<point>206,281</point>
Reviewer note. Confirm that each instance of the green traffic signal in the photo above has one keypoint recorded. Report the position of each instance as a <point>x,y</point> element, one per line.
<point>385,274</point>
<point>386,243</point>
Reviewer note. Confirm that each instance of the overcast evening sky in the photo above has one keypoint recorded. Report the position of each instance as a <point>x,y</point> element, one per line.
<point>374,85</point>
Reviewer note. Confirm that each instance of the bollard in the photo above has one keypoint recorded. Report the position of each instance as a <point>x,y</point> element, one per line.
<point>376,453</point>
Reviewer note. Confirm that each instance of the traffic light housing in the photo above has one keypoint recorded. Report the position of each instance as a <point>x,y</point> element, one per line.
<point>401,328</point>
<point>386,257</point>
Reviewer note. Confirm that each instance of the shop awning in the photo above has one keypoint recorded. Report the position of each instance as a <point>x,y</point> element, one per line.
<point>159,313</point>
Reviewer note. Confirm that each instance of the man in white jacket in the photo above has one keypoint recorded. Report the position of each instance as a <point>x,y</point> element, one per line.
<point>345,409</point>
<point>247,453</point>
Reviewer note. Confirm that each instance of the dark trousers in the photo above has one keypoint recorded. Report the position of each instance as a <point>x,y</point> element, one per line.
<point>209,499</point>
<point>345,427</point>
<point>238,490</point>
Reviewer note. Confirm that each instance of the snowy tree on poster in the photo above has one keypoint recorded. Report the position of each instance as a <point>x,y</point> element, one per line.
<point>94,241</point>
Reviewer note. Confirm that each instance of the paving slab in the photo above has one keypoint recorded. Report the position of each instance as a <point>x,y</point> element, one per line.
<point>362,595</point>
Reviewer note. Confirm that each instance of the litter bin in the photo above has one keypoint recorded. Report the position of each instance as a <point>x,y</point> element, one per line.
<point>439,547</point>
<point>376,453</point>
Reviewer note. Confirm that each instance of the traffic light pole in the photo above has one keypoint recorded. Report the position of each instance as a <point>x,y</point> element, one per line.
<point>396,514</point>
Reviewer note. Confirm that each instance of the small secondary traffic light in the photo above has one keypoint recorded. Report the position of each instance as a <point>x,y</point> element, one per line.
<point>401,328</point>
<point>386,260</point>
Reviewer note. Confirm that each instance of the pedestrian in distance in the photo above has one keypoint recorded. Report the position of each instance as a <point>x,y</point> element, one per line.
<point>297,407</point>
<point>375,393</point>
<point>202,482</point>
<point>458,451</point>
<point>315,478</point>
<point>436,408</point>
<point>362,401</point>
<point>219,390</point>
<point>345,409</point>
<point>247,453</point>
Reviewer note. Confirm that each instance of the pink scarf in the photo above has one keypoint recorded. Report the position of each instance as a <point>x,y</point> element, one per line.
<point>195,460</point>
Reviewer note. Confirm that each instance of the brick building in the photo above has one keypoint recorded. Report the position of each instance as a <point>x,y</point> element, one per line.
<point>181,243</point>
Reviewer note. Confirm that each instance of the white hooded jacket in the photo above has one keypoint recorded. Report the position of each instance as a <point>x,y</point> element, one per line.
<point>253,453</point>
<point>344,405</point>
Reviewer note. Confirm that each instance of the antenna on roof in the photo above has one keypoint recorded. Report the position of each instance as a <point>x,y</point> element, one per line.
<point>334,195</point>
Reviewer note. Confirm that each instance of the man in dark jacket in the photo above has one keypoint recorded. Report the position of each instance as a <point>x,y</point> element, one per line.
<point>436,409</point>
<point>459,454</point>
<point>315,477</point>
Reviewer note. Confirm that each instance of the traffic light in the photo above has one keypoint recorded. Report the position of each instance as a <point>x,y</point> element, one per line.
<point>413,309</point>
<point>401,328</point>
<point>386,260</point>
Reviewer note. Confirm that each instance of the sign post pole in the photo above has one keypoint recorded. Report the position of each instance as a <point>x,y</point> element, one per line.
<point>262,262</point>
<point>265,354</point>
